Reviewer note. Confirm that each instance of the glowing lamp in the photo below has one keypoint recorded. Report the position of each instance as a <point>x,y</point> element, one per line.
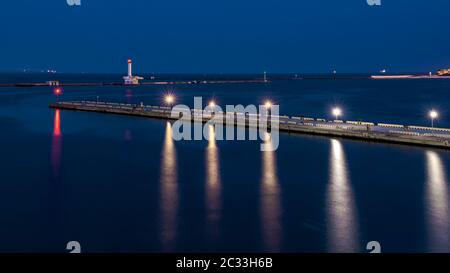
<point>169,99</point>
<point>337,112</point>
<point>433,114</point>
<point>57,91</point>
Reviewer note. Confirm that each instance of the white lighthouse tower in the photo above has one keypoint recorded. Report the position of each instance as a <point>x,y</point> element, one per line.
<point>130,68</point>
<point>130,79</point>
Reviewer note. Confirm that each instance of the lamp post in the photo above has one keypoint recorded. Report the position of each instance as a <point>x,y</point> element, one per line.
<point>268,105</point>
<point>337,112</point>
<point>433,115</point>
<point>169,99</point>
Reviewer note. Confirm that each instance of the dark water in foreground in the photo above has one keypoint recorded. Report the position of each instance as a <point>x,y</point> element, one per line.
<point>121,184</point>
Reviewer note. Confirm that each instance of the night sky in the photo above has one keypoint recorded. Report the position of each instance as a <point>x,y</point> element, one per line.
<point>225,36</point>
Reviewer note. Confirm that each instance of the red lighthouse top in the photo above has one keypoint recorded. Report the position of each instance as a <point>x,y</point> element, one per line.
<point>129,61</point>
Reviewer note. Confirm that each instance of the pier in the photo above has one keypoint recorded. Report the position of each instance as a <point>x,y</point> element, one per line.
<point>366,131</point>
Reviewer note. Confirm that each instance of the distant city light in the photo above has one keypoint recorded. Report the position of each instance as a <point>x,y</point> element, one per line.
<point>337,112</point>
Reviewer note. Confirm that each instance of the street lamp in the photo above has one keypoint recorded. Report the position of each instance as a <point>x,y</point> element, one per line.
<point>268,104</point>
<point>169,99</point>
<point>433,115</point>
<point>337,112</point>
<point>212,104</point>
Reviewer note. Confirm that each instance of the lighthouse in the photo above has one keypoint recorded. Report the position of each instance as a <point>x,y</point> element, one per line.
<point>130,79</point>
<point>130,68</point>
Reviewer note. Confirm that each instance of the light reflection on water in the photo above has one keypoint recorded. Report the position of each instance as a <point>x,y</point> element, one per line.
<point>342,219</point>
<point>437,204</point>
<point>213,184</point>
<point>56,144</point>
<point>168,191</point>
<point>341,209</point>
<point>270,201</point>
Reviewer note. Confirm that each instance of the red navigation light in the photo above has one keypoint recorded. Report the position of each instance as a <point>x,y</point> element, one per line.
<point>57,91</point>
<point>129,61</point>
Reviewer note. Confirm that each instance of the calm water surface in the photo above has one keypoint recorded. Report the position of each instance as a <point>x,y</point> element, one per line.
<point>121,184</point>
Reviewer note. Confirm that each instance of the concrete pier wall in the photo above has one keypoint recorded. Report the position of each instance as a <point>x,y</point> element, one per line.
<point>366,131</point>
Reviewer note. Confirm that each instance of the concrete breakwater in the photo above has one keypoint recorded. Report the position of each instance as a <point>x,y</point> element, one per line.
<point>75,84</point>
<point>367,131</point>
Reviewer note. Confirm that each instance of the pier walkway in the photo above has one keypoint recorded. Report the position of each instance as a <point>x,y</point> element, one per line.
<point>368,131</point>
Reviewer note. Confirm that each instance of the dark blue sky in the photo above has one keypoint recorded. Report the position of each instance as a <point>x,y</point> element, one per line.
<point>214,36</point>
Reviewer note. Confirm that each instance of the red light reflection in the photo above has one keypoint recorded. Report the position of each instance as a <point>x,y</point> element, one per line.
<point>56,144</point>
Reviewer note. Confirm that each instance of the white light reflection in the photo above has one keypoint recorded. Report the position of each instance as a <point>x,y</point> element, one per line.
<point>270,201</point>
<point>437,204</point>
<point>169,191</point>
<point>213,184</point>
<point>342,221</point>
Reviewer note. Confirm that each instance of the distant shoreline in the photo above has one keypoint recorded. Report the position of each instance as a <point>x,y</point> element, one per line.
<point>54,80</point>
<point>387,77</point>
